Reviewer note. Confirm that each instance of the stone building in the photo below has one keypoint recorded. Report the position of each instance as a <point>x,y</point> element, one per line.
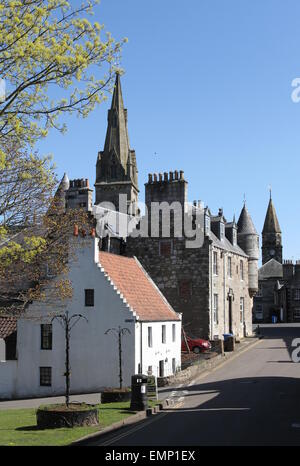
<point>211,285</point>
<point>279,280</point>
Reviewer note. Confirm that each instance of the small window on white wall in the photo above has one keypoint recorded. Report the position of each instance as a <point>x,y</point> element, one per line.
<point>173,332</point>
<point>163,334</point>
<point>150,337</point>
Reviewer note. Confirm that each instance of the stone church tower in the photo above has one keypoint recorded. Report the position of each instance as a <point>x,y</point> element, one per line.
<point>116,169</point>
<point>271,236</point>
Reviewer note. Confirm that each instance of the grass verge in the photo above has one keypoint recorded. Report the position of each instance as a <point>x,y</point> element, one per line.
<point>18,426</point>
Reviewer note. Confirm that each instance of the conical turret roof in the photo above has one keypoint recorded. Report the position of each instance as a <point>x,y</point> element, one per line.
<point>245,223</point>
<point>117,139</point>
<point>271,224</point>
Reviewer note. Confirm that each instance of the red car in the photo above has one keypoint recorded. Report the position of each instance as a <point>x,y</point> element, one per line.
<point>197,345</point>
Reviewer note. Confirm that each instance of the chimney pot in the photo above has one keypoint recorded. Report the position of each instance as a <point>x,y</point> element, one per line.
<point>171,176</point>
<point>181,174</point>
<point>176,174</point>
<point>160,176</point>
<point>149,178</point>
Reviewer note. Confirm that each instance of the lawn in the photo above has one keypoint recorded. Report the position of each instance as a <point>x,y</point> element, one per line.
<point>18,426</point>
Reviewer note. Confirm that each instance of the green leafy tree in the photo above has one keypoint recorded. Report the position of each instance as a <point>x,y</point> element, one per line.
<point>49,50</point>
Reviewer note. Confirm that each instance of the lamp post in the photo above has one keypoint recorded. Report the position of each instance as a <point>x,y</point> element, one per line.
<point>66,322</point>
<point>119,332</point>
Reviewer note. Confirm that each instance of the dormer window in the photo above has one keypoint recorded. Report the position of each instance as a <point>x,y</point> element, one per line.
<point>234,237</point>
<point>207,224</point>
<point>222,230</point>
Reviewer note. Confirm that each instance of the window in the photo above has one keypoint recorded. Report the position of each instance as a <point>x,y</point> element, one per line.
<point>260,291</point>
<point>215,263</point>
<point>222,230</point>
<point>184,289</point>
<point>150,337</point>
<point>259,312</point>
<point>11,347</point>
<point>89,297</point>
<point>173,332</point>
<point>45,376</point>
<point>297,295</point>
<point>46,336</point>
<point>241,270</point>
<point>165,248</point>
<point>229,267</point>
<point>241,310</point>
<point>161,368</point>
<point>173,365</point>
<point>234,237</point>
<point>296,313</point>
<point>215,309</point>
<point>163,334</point>
<point>207,225</point>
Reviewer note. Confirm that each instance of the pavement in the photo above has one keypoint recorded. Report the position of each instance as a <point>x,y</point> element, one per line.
<point>252,399</point>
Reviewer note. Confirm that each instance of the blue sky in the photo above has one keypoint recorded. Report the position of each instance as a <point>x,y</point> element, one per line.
<point>208,88</point>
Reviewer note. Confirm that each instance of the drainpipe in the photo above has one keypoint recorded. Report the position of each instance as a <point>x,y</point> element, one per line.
<point>211,294</point>
<point>224,290</point>
<point>141,347</point>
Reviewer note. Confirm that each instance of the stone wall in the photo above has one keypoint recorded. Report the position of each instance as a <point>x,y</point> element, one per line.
<point>181,274</point>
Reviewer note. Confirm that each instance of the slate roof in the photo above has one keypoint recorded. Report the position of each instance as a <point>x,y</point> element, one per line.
<point>245,223</point>
<point>271,269</point>
<point>271,224</point>
<point>226,245</point>
<point>137,288</point>
<point>8,325</point>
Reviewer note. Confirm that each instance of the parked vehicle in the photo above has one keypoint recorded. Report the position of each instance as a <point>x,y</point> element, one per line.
<point>197,345</point>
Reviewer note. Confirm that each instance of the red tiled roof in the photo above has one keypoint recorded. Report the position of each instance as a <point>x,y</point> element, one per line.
<point>8,325</point>
<point>137,287</point>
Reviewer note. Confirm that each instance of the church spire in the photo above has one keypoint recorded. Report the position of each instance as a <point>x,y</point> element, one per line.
<point>117,139</point>
<point>271,236</point>
<point>271,224</point>
<point>116,170</point>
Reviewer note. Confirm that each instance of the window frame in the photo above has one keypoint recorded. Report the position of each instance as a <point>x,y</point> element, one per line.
<point>242,310</point>
<point>164,334</point>
<point>216,308</point>
<point>44,384</point>
<point>150,337</point>
<point>45,335</point>
<point>173,333</point>
<point>215,264</point>
<point>87,303</point>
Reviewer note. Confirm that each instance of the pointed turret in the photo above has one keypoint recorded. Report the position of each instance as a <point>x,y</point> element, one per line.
<point>58,205</point>
<point>116,171</point>
<point>271,224</point>
<point>248,240</point>
<point>245,223</point>
<point>271,236</point>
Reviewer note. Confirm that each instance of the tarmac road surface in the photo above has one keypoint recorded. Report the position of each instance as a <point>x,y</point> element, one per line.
<point>253,399</point>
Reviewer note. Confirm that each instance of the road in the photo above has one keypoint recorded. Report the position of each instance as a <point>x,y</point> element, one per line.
<point>253,399</point>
